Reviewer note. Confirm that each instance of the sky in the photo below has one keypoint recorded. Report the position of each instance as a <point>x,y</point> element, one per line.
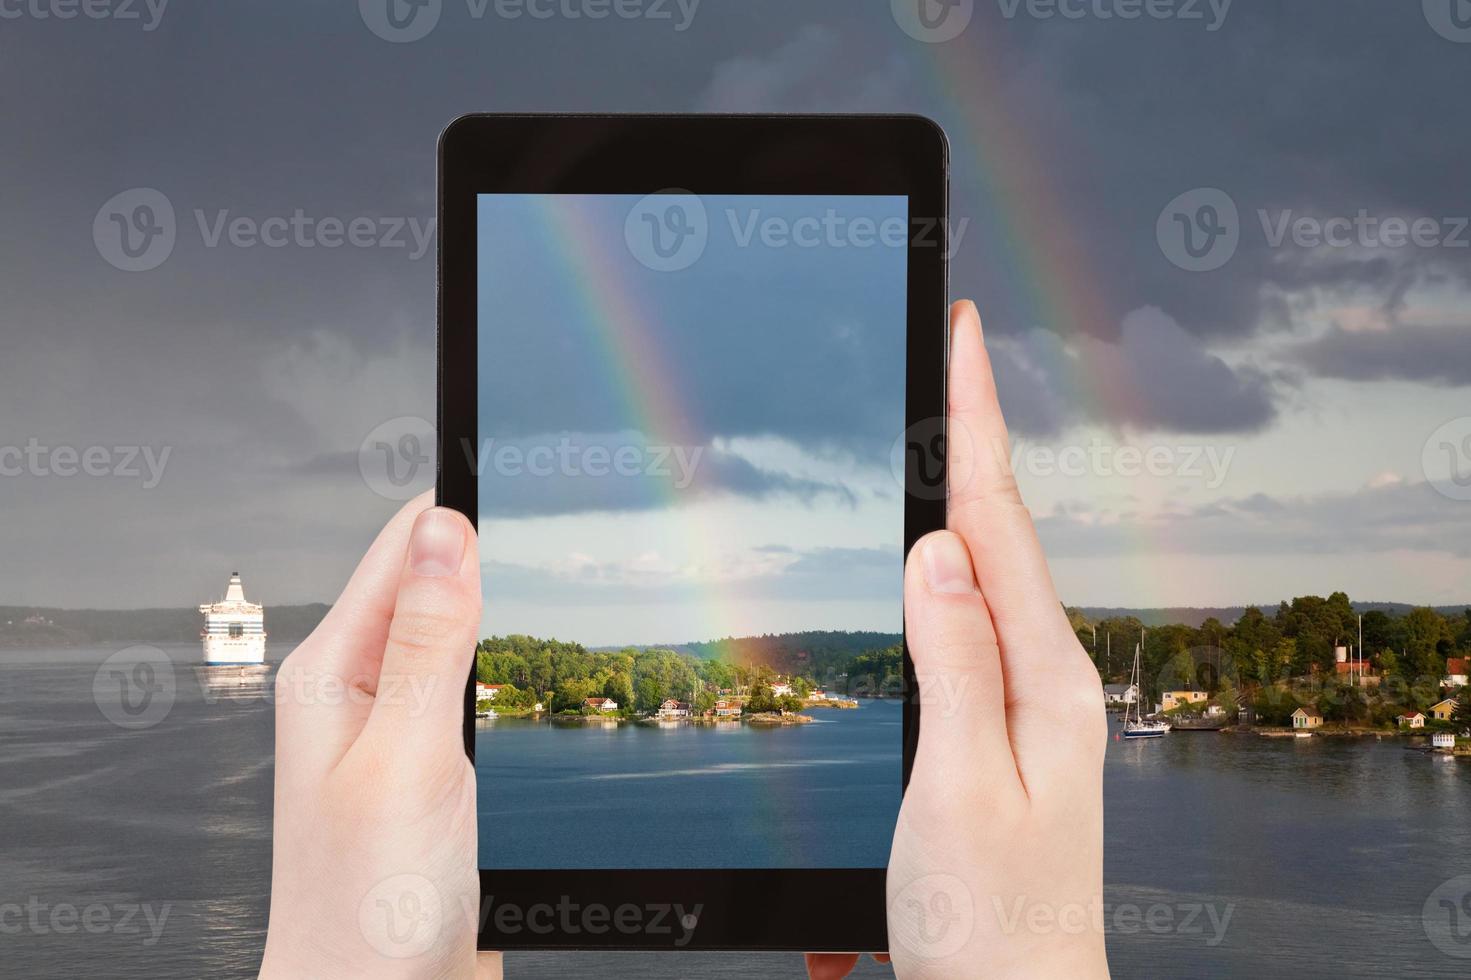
<point>755,393</point>
<point>1232,373</point>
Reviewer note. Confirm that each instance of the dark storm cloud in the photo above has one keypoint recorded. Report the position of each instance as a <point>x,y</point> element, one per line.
<point>262,109</point>
<point>1154,377</point>
<point>1438,355</point>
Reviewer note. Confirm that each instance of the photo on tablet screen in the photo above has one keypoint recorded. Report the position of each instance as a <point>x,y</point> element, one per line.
<point>692,531</point>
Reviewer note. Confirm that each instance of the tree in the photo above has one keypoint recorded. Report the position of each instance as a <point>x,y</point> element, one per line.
<point>761,699</point>
<point>1461,716</point>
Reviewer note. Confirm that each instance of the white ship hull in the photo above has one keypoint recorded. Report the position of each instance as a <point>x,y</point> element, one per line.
<point>220,651</point>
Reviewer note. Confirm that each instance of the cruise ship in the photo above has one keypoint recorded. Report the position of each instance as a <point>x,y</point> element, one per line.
<point>234,630</point>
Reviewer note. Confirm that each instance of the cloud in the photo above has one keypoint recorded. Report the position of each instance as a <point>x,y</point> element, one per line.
<point>1439,355</point>
<point>1155,376</point>
<point>813,71</point>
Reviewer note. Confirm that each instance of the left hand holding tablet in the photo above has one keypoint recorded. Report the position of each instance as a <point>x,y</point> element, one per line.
<point>373,870</point>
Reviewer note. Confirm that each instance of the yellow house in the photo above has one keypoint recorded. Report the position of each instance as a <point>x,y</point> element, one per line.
<point>1443,710</point>
<point>1307,718</point>
<point>1171,700</point>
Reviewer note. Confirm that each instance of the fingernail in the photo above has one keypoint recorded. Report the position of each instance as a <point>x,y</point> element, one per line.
<point>437,544</point>
<point>947,567</point>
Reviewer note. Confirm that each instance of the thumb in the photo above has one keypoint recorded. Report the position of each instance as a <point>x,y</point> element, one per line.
<point>420,698</point>
<point>952,641</point>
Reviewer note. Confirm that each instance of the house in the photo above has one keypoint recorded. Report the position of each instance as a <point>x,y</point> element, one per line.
<point>781,689</point>
<point>487,692</point>
<point>1215,711</point>
<point>727,709</point>
<point>1413,719</point>
<point>600,704</point>
<point>1443,740</point>
<point>1171,700</point>
<point>671,709</point>
<point>817,695</point>
<point>1119,695</point>
<point>1443,710</point>
<point>1307,718</point>
<point>1457,670</point>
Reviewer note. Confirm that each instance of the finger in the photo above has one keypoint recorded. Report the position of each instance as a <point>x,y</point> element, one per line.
<point>489,966</point>
<point>1046,671</point>
<point>418,707</point>
<point>830,966</point>
<point>962,718</point>
<point>324,688</point>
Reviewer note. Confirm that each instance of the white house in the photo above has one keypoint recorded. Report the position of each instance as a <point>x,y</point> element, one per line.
<point>601,704</point>
<point>671,709</point>
<point>487,692</point>
<point>817,695</point>
<point>1119,695</point>
<point>781,689</point>
<point>1456,671</point>
<point>1413,719</point>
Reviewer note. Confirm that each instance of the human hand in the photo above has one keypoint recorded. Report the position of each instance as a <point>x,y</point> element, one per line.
<point>997,863</point>
<point>374,864</point>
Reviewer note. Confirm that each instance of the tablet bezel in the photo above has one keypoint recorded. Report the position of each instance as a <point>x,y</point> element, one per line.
<point>831,910</point>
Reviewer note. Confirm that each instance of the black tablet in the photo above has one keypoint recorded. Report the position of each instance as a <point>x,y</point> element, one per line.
<point>692,394</point>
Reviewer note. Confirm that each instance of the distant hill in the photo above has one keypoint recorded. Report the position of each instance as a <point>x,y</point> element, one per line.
<point>789,653</point>
<point>32,627</point>
<point>1193,616</point>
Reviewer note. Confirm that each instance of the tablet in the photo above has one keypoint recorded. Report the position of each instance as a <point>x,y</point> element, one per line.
<point>692,395</point>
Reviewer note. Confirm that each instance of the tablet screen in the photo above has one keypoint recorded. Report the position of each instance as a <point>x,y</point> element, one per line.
<point>691,528</point>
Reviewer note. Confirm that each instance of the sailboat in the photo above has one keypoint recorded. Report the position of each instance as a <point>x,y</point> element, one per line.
<point>1134,724</point>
